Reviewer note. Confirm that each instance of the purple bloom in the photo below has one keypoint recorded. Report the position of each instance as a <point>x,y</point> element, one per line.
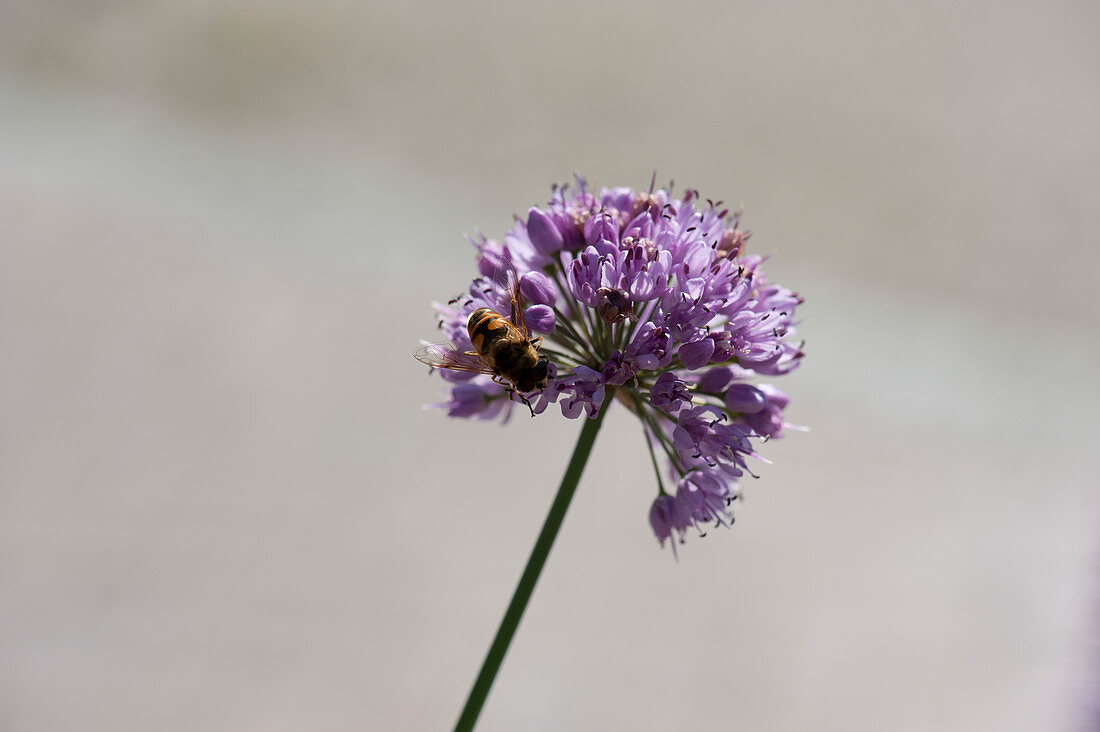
<point>705,433</point>
<point>602,231</point>
<point>650,347</point>
<point>667,515</point>
<point>669,393</point>
<point>705,496</point>
<point>586,276</point>
<point>644,269</point>
<point>767,420</point>
<point>583,390</point>
<point>475,398</point>
<point>651,299</point>
<point>619,369</point>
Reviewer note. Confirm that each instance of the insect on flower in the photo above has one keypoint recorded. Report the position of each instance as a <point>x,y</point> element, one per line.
<point>502,348</point>
<point>645,298</point>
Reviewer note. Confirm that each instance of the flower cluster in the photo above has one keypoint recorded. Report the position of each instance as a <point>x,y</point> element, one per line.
<point>654,301</point>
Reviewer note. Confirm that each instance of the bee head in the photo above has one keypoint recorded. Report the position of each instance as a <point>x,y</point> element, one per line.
<point>536,377</point>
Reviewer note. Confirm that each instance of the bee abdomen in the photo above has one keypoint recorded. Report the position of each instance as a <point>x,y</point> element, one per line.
<point>485,327</point>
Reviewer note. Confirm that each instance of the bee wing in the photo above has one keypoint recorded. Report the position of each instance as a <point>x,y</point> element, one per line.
<point>445,356</point>
<point>506,281</point>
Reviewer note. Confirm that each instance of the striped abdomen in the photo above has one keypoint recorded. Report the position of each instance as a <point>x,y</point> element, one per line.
<point>489,331</point>
<point>507,350</point>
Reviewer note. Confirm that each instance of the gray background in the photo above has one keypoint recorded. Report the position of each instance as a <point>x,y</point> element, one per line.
<point>222,507</point>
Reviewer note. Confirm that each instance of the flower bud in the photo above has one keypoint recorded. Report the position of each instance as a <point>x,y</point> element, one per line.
<point>714,380</point>
<point>540,318</point>
<point>543,232</point>
<point>695,355</point>
<point>667,516</point>
<point>538,288</point>
<point>745,398</point>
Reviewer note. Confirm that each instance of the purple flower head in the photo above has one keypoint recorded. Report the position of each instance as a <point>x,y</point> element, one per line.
<point>643,296</point>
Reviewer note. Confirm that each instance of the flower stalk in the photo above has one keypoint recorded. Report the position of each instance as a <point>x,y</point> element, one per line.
<point>531,572</point>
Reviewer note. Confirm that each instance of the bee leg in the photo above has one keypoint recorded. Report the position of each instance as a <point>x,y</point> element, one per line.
<point>513,394</point>
<point>525,401</point>
<point>536,343</point>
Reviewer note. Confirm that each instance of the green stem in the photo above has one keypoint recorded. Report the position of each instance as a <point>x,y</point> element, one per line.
<point>653,458</point>
<point>661,438</point>
<point>580,344</point>
<point>564,360</point>
<point>531,573</point>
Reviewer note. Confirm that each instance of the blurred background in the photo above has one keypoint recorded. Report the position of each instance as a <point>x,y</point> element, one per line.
<point>223,507</point>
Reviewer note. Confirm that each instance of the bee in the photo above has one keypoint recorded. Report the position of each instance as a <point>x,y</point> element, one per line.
<point>503,347</point>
